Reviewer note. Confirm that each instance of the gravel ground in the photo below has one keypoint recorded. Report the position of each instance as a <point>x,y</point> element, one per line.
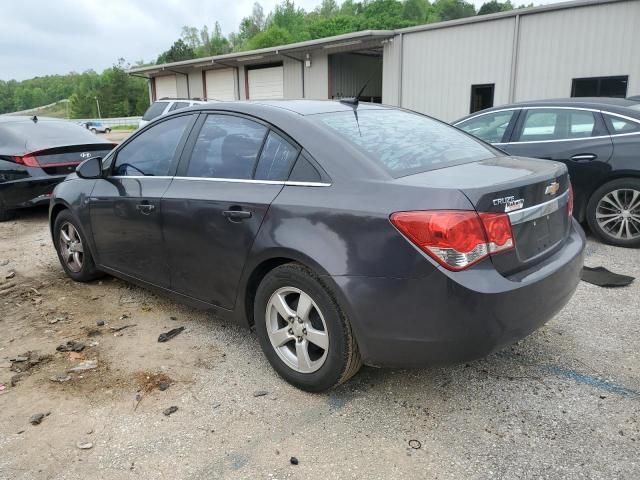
<point>564,403</point>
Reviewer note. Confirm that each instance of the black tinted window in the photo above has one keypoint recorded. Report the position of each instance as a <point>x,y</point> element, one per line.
<point>276,158</point>
<point>490,127</point>
<point>177,105</point>
<point>152,152</point>
<point>405,143</point>
<point>304,171</point>
<point>620,125</point>
<point>227,147</point>
<point>155,110</point>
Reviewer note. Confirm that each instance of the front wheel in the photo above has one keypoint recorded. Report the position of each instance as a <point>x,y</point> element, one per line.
<point>302,331</point>
<point>613,212</point>
<point>108,130</point>
<point>73,250</point>
<point>93,130</point>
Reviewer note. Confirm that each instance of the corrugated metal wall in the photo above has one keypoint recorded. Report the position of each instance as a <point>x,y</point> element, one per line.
<point>196,89</point>
<point>391,70</point>
<point>182,86</point>
<point>439,66</point>
<point>292,78</point>
<point>556,47</point>
<point>316,78</point>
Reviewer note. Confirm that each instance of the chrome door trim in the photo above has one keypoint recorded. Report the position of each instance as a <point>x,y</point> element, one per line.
<point>538,211</point>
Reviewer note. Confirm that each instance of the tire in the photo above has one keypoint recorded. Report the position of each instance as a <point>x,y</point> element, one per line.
<point>610,206</point>
<point>93,130</point>
<point>108,130</point>
<point>325,322</point>
<point>6,214</point>
<point>79,266</point>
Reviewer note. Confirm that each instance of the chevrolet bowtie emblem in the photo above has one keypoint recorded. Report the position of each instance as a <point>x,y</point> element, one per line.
<point>552,188</point>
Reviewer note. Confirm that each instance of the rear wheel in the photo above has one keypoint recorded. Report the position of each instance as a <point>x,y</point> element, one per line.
<point>6,214</point>
<point>93,130</point>
<point>613,212</point>
<point>73,250</point>
<point>302,331</point>
<point>108,130</point>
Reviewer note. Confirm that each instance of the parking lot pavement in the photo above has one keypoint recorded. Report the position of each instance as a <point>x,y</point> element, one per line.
<point>562,404</point>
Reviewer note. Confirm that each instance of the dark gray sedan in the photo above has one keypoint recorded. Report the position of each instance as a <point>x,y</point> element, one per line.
<point>343,233</point>
<point>598,139</point>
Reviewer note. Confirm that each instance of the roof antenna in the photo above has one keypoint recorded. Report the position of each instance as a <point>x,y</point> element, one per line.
<point>34,119</point>
<point>356,100</point>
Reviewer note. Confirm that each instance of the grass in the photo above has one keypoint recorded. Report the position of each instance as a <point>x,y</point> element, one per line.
<point>123,127</point>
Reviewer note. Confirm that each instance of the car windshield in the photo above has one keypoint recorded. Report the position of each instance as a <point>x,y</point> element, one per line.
<point>155,110</point>
<point>405,143</point>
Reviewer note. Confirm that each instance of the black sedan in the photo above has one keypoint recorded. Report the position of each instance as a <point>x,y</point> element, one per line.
<point>38,153</point>
<point>599,141</point>
<point>345,233</point>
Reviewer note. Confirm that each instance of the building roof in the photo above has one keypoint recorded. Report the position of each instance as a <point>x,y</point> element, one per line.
<point>348,39</point>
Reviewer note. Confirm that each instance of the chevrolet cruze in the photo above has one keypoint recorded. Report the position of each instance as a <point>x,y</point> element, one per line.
<point>344,233</point>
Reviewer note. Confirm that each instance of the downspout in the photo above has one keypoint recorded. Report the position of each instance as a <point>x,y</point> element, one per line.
<point>301,64</point>
<point>514,59</point>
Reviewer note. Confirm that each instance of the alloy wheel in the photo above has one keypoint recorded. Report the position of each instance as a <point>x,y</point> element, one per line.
<point>71,248</point>
<point>297,329</point>
<point>618,213</point>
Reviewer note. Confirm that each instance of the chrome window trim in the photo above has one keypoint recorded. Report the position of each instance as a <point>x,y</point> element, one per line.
<point>538,211</point>
<point>231,180</point>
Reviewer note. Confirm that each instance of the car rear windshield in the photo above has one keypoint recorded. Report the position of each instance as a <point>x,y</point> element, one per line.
<point>405,143</point>
<point>155,110</point>
<point>26,135</point>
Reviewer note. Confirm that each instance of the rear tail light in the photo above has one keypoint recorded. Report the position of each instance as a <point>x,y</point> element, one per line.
<point>28,160</point>
<point>570,201</point>
<point>456,239</point>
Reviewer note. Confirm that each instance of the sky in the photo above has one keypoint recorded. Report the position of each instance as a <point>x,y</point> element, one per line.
<point>45,37</point>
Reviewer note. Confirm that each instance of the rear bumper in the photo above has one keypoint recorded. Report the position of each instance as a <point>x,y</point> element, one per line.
<point>28,192</point>
<point>449,317</point>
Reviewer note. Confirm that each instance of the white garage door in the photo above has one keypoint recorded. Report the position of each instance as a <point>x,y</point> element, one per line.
<point>265,83</point>
<point>166,87</point>
<point>221,84</point>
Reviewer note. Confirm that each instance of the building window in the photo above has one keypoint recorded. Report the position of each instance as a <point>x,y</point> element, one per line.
<point>481,97</point>
<point>600,87</point>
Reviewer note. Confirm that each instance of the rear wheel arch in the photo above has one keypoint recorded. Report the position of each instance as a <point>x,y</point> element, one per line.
<point>55,211</point>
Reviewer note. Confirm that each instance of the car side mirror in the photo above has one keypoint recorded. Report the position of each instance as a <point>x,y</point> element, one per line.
<point>91,168</point>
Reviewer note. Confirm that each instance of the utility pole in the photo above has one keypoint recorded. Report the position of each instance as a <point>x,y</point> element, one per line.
<point>98,104</point>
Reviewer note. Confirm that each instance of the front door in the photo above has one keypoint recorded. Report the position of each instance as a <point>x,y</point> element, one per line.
<point>575,137</point>
<point>214,207</point>
<point>125,211</point>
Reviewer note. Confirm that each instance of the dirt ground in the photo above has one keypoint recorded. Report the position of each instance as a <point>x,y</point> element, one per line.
<point>562,404</point>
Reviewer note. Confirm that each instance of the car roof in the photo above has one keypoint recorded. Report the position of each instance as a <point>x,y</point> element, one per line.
<point>300,107</point>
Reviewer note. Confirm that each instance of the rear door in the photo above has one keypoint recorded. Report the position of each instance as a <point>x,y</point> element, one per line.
<point>575,137</point>
<point>125,207</point>
<point>213,210</point>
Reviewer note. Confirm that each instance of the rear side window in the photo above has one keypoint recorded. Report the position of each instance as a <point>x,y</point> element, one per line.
<point>178,105</point>
<point>405,143</point>
<point>226,147</point>
<point>490,127</point>
<point>620,125</point>
<point>155,110</point>
<point>556,124</point>
<point>151,153</point>
<point>276,158</point>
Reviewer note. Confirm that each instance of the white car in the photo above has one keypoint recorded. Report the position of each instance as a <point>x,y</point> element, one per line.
<point>166,105</point>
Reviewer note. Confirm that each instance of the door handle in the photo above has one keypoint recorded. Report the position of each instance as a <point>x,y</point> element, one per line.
<point>145,208</point>
<point>235,215</point>
<point>583,157</point>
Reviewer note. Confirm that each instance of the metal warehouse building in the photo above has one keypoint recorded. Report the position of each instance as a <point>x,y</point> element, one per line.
<point>447,69</point>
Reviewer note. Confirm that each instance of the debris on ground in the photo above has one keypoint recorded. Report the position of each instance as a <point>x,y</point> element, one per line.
<point>4,263</point>
<point>118,329</point>
<point>163,386</point>
<point>76,356</point>
<point>165,337</point>
<point>294,461</point>
<point>83,366</point>
<point>148,381</point>
<point>602,277</point>
<point>71,346</point>
<point>60,378</point>
<point>17,378</point>
<point>260,393</point>
<point>37,418</point>
<point>2,387</point>
<point>10,275</point>
<point>84,445</point>
<point>415,444</point>
<point>100,323</point>
<point>170,410</point>
<point>27,361</point>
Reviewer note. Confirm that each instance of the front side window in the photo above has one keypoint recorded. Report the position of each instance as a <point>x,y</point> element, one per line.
<point>226,147</point>
<point>405,143</point>
<point>556,124</point>
<point>490,127</point>
<point>152,152</point>
<point>618,125</point>
<point>276,158</point>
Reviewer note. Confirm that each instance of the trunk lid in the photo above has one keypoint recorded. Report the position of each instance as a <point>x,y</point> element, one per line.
<point>63,160</point>
<point>532,192</point>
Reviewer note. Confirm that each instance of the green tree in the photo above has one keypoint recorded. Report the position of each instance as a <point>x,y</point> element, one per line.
<point>178,51</point>
<point>494,6</point>
<point>271,37</point>
<point>415,10</point>
<point>453,9</point>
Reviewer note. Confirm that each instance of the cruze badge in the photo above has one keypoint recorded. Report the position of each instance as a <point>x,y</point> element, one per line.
<point>552,188</point>
<point>85,154</point>
<point>510,203</point>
